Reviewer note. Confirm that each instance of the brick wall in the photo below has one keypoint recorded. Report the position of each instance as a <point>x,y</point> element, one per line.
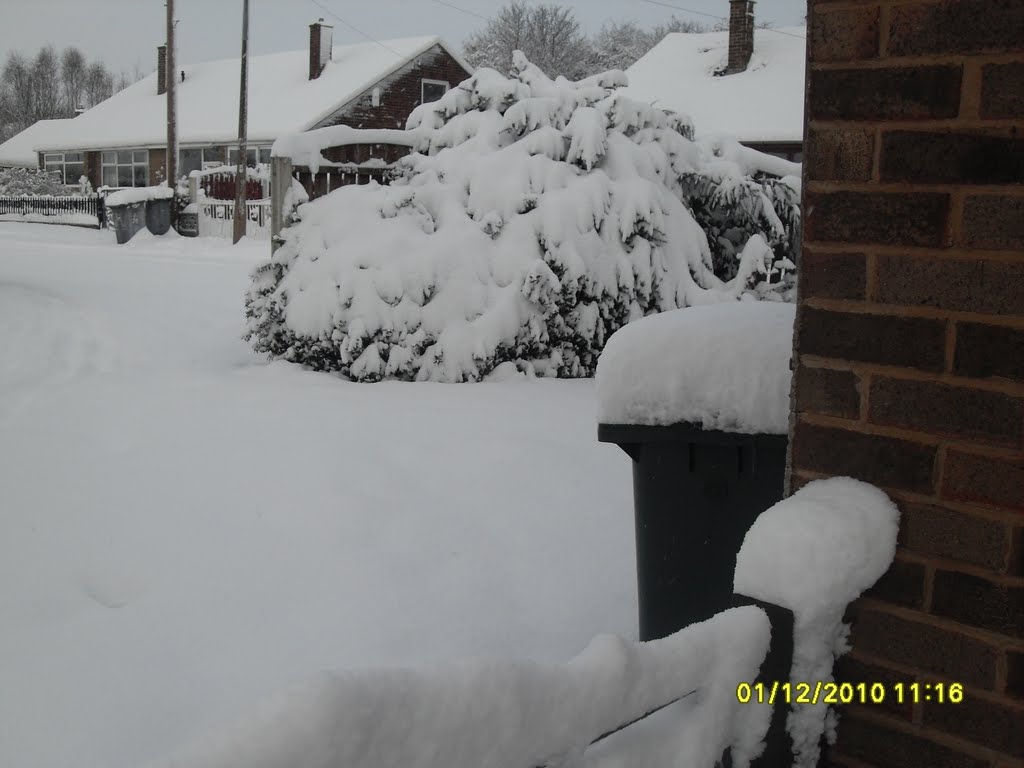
<point>741,35</point>
<point>400,92</point>
<point>910,355</point>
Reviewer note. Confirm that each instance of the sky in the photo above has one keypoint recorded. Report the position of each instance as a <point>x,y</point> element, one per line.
<point>125,33</point>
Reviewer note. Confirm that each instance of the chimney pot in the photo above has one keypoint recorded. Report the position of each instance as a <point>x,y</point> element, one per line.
<point>161,70</point>
<point>741,35</point>
<point>320,44</point>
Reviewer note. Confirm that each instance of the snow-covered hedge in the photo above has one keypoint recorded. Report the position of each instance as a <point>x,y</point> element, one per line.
<point>19,182</point>
<point>534,219</point>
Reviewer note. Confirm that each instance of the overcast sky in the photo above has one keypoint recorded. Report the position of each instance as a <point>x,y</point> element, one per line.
<point>125,33</point>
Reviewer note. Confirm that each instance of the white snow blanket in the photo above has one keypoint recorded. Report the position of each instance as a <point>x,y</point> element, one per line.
<point>487,714</point>
<point>815,553</point>
<point>535,218</point>
<point>722,366</point>
<point>139,195</point>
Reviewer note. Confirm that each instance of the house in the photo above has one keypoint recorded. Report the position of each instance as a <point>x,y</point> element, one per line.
<point>746,82</point>
<point>122,141</point>
<point>19,152</point>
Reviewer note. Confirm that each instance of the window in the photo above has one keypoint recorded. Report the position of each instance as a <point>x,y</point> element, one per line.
<point>432,90</point>
<point>197,158</point>
<point>253,155</point>
<point>70,166</point>
<point>126,168</point>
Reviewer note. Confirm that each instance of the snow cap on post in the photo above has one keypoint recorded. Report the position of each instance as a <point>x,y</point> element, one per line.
<point>722,366</point>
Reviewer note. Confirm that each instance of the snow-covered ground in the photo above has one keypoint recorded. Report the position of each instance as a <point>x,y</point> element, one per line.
<point>185,529</point>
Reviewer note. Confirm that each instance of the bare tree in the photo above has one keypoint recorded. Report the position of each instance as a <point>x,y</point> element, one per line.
<point>99,84</point>
<point>72,72</point>
<point>19,97</point>
<point>548,34</point>
<point>48,99</point>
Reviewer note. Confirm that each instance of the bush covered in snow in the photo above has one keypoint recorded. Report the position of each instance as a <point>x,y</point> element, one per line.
<point>533,219</point>
<point>18,182</point>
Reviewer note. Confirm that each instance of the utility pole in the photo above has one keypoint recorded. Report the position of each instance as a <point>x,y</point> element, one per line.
<point>243,108</point>
<point>171,165</point>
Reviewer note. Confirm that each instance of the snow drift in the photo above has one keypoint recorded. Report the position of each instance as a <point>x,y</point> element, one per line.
<point>533,219</point>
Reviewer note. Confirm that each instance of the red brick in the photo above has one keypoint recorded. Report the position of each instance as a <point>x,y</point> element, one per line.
<point>994,222</point>
<point>849,669</point>
<point>911,342</point>
<point>961,412</point>
<point>928,529</point>
<point>979,602</point>
<point>893,218</point>
<point>953,158</point>
<point>877,745</point>
<point>1002,90</point>
<point>931,649</point>
<point>1015,674</point>
<point>984,479</point>
<point>896,93</point>
<point>956,26</point>
<point>966,285</point>
<point>991,724</point>
<point>844,35</point>
<point>882,461</point>
<point>831,393</point>
<point>985,351</point>
<point>832,275</point>
<point>902,584</point>
<point>834,154</point>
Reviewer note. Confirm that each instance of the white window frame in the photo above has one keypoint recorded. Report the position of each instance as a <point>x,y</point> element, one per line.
<point>51,159</point>
<point>261,150</point>
<point>135,163</point>
<point>427,81</point>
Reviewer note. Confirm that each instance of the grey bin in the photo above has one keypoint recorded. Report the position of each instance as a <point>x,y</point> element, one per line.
<point>158,216</point>
<point>126,220</point>
<point>696,493</point>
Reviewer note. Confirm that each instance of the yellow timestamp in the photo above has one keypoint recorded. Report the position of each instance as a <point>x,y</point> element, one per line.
<point>849,693</point>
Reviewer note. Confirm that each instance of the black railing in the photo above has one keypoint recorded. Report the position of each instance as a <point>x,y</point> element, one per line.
<point>79,210</point>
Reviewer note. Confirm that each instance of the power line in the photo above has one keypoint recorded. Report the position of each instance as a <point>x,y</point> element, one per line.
<point>355,29</point>
<point>462,10</point>
<point>718,18</point>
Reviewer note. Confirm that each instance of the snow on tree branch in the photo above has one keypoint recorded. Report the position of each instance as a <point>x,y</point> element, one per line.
<point>535,217</point>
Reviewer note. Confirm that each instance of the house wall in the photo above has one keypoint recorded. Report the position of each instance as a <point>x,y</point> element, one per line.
<point>400,92</point>
<point>910,356</point>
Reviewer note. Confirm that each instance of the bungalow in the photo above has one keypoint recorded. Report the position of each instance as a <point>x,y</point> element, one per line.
<point>122,141</point>
<point>18,151</point>
<point>746,83</point>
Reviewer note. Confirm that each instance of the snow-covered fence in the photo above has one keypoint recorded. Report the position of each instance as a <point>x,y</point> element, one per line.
<point>220,183</point>
<point>77,210</point>
<point>216,218</point>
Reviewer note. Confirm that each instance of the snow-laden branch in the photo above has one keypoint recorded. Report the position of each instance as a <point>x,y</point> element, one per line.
<point>490,714</point>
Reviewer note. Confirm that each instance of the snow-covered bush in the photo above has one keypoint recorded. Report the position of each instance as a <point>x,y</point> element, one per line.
<point>17,182</point>
<point>533,219</point>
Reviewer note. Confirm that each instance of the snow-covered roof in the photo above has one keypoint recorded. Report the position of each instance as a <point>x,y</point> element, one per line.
<point>17,151</point>
<point>282,98</point>
<point>763,103</point>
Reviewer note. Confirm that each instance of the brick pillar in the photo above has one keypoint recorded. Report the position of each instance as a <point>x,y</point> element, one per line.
<point>910,356</point>
<point>741,35</point>
<point>320,42</point>
<point>161,70</point>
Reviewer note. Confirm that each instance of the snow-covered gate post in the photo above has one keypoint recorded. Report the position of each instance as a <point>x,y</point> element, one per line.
<point>280,183</point>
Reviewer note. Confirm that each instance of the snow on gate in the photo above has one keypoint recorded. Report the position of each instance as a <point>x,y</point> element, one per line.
<point>216,218</point>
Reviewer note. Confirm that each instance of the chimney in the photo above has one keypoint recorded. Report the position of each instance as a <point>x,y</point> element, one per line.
<point>161,70</point>
<point>741,35</point>
<point>321,38</point>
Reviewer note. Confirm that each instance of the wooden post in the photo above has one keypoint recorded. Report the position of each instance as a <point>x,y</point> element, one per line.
<point>243,103</point>
<point>172,117</point>
<point>280,183</point>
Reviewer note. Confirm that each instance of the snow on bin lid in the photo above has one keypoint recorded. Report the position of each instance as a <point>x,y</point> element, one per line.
<point>721,366</point>
<point>139,195</point>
